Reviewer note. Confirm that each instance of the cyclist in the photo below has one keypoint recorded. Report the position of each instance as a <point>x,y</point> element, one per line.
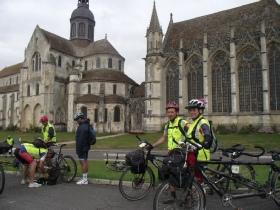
<point>27,153</point>
<point>172,132</point>
<point>82,146</point>
<point>10,142</point>
<point>48,131</point>
<point>201,133</point>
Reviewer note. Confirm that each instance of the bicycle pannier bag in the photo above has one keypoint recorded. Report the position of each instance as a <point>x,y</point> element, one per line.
<point>178,176</point>
<point>176,158</point>
<point>53,176</point>
<point>136,160</point>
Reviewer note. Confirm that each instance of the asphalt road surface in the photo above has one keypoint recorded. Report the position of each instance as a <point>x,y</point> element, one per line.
<point>70,196</point>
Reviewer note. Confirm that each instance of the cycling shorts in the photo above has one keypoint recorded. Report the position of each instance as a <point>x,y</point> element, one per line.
<point>24,157</point>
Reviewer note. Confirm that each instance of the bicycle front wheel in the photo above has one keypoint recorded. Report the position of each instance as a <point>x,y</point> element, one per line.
<point>190,198</point>
<point>2,179</point>
<point>67,168</point>
<point>136,186</point>
<point>276,187</point>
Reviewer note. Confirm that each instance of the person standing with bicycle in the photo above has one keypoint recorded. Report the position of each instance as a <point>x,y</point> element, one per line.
<point>173,130</point>
<point>199,131</point>
<point>82,146</point>
<point>27,153</point>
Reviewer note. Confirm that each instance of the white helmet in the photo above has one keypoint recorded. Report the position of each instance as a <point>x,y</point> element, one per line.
<point>196,103</point>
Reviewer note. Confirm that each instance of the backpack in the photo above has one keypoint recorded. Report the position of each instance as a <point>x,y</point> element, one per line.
<point>91,135</point>
<point>214,141</point>
<point>39,143</point>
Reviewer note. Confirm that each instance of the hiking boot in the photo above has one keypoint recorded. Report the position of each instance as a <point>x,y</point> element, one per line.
<point>168,200</point>
<point>34,184</point>
<point>82,181</point>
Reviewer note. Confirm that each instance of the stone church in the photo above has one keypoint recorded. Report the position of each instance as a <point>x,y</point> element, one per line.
<point>60,77</point>
<point>230,58</point>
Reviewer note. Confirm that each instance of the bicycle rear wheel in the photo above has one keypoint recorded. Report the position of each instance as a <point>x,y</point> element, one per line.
<point>246,173</point>
<point>185,198</point>
<point>67,168</point>
<point>2,179</point>
<point>276,187</point>
<point>136,186</point>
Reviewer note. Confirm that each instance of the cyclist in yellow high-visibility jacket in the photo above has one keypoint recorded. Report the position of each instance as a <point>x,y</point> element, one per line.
<point>10,142</point>
<point>48,131</point>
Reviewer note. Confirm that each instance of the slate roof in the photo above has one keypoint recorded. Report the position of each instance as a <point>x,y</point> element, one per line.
<point>9,88</point>
<point>106,75</point>
<point>247,17</point>
<point>139,91</point>
<point>109,99</point>
<point>10,70</point>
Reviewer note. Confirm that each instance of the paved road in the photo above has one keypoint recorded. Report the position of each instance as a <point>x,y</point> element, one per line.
<point>92,196</point>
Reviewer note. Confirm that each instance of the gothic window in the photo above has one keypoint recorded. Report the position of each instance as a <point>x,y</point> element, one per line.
<point>95,115</point>
<point>114,89</point>
<point>105,115</point>
<point>172,83</point>
<point>28,90</point>
<point>195,78</point>
<point>86,66</point>
<point>117,114</point>
<point>221,84</point>
<point>84,111</point>
<point>120,65</point>
<point>36,61</point>
<point>89,89</point>
<point>139,117</point>
<point>250,82</point>
<point>82,29</point>
<point>59,116</point>
<point>90,31</point>
<point>59,61</point>
<point>97,62</point>
<point>110,63</point>
<point>73,63</point>
<point>37,89</point>
<point>73,29</point>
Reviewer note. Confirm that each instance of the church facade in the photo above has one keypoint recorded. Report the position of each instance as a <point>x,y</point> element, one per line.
<point>61,77</point>
<point>230,58</point>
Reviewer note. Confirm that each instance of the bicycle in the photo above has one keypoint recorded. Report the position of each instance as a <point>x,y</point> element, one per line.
<point>2,179</point>
<point>136,186</point>
<point>247,171</point>
<point>117,165</point>
<point>269,189</point>
<point>190,196</point>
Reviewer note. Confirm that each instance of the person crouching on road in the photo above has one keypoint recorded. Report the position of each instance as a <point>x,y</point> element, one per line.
<point>82,146</point>
<point>27,153</point>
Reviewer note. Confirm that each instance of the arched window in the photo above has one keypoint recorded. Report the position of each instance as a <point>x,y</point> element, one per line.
<point>114,89</point>
<point>195,78</point>
<point>97,62</point>
<point>36,61</point>
<point>37,89</point>
<point>117,114</point>
<point>82,29</point>
<point>120,65</point>
<point>84,111</point>
<point>221,84</point>
<point>89,89</point>
<point>95,115</point>
<point>73,29</point>
<point>90,31</point>
<point>85,65</point>
<point>28,90</point>
<point>110,63</point>
<point>33,65</point>
<point>274,77</point>
<point>73,63</point>
<point>172,83</point>
<point>250,82</point>
<point>59,61</point>
<point>105,115</point>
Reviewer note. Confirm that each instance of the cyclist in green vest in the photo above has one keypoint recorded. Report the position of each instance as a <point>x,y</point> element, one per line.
<point>48,131</point>
<point>10,142</point>
<point>172,132</point>
<point>27,154</point>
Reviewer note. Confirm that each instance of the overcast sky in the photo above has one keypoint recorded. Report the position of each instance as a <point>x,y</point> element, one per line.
<point>124,21</point>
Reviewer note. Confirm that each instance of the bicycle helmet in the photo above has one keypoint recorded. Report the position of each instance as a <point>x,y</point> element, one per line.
<point>51,153</point>
<point>172,105</point>
<point>44,119</point>
<point>79,115</point>
<point>196,103</point>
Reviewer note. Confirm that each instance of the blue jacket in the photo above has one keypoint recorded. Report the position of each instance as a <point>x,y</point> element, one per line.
<point>81,137</point>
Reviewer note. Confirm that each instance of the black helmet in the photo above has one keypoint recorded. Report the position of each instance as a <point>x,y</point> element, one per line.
<point>79,115</point>
<point>196,103</point>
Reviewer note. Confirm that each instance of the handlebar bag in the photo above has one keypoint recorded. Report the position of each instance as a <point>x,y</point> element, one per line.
<point>175,158</point>
<point>136,160</point>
